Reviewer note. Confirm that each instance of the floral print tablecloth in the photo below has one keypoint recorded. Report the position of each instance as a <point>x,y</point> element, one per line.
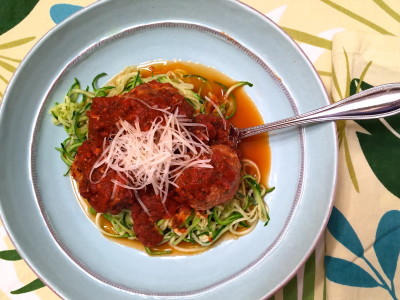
<point>354,45</point>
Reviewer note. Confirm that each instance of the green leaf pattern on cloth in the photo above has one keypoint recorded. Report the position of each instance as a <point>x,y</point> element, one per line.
<point>387,243</point>
<point>34,285</point>
<point>347,273</point>
<point>387,249</point>
<point>381,149</point>
<point>9,64</point>
<point>14,11</point>
<point>11,255</point>
<point>356,17</point>
<point>341,125</point>
<point>290,290</point>
<point>381,145</point>
<point>344,233</point>
<point>309,278</point>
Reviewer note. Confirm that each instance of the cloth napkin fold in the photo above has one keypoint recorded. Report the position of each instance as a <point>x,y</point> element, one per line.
<point>363,236</point>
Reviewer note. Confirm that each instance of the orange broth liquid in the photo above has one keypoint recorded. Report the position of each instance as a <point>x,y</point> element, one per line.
<point>253,148</point>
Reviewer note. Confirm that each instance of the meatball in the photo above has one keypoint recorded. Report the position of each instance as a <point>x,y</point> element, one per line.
<point>105,113</point>
<point>103,194</point>
<point>204,188</point>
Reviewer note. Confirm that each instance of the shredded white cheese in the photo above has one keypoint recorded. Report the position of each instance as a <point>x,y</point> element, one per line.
<point>217,110</point>
<point>156,157</point>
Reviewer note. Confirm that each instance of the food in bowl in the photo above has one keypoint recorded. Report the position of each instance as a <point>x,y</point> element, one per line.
<point>153,159</point>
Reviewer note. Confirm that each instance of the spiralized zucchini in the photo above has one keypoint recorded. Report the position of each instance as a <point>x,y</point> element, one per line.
<point>202,228</point>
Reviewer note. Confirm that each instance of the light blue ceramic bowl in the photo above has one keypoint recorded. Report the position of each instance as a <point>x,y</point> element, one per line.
<point>38,206</point>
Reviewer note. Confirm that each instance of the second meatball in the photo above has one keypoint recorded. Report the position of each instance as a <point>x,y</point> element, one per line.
<point>204,188</point>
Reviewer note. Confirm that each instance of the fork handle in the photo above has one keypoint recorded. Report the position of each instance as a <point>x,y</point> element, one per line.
<point>377,102</point>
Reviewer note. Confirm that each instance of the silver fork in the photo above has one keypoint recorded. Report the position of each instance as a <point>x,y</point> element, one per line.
<point>377,102</point>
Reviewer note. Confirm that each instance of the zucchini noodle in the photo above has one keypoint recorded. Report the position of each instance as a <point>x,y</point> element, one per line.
<point>202,228</point>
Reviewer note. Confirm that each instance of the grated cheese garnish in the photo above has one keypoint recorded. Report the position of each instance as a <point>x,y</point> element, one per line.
<point>156,157</point>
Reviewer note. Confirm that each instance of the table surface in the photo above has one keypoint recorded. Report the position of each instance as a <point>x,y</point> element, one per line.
<point>353,46</point>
